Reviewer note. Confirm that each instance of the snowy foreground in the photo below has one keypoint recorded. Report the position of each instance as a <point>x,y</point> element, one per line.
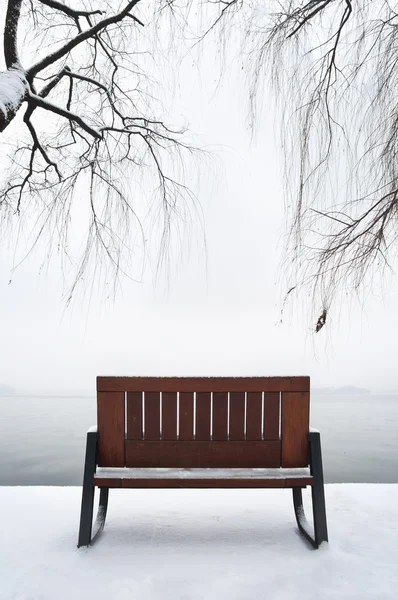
<point>199,544</point>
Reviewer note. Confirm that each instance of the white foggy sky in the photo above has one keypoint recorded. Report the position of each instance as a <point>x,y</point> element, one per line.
<point>215,317</point>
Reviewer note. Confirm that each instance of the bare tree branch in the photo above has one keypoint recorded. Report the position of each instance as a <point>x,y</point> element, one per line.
<point>11,56</point>
<point>82,37</point>
<point>332,65</point>
<point>67,10</point>
<point>101,142</point>
<point>39,102</point>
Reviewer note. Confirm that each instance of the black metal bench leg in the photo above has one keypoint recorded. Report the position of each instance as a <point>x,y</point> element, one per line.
<point>86,536</point>
<point>318,497</point>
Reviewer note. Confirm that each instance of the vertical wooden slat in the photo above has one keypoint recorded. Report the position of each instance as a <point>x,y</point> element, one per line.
<point>203,406</point>
<point>134,415</point>
<point>110,411</point>
<point>253,416</point>
<point>271,416</point>
<point>186,416</point>
<point>152,416</point>
<point>220,416</point>
<point>237,416</point>
<point>169,415</point>
<point>295,427</point>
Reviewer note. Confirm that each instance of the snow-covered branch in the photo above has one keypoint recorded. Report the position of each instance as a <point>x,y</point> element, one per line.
<point>92,32</point>
<point>13,90</point>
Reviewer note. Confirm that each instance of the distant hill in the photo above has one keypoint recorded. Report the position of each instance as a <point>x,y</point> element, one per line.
<point>346,390</point>
<point>5,390</point>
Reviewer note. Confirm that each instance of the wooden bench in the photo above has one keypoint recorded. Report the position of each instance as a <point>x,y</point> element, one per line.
<point>206,432</point>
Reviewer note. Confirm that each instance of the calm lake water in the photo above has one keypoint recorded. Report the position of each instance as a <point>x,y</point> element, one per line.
<point>42,439</point>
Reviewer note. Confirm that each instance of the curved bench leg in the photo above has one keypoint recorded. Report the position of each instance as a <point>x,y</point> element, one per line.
<point>320,533</point>
<point>101,514</point>
<point>87,533</point>
<point>301,519</point>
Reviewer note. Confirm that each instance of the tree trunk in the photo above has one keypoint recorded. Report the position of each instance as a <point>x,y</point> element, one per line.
<point>10,33</point>
<point>13,84</point>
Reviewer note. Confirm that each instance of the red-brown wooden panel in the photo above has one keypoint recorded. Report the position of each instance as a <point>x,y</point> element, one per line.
<point>237,416</point>
<point>216,482</point>
<point>134,415</point>
<point>169,416</point>
<point>203,454</point>
<point>110,410</point>
<point>186,416</point>
<point>204,384</point>
<point>220,416</point>
<point>109,482</point>
<point>152,416</point>
<point>206,483</point>
<point>253,415</point>
<point>203,408</point>
<point>271,416</point>
<point>295,427</point>
<point>292,482</point>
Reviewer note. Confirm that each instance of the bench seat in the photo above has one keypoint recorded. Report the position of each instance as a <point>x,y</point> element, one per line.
<point>201,478</point>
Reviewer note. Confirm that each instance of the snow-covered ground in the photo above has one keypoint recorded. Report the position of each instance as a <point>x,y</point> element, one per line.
<point>198,544</point>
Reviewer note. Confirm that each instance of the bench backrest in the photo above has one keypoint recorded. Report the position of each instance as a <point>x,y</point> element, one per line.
<point>203,421</point>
